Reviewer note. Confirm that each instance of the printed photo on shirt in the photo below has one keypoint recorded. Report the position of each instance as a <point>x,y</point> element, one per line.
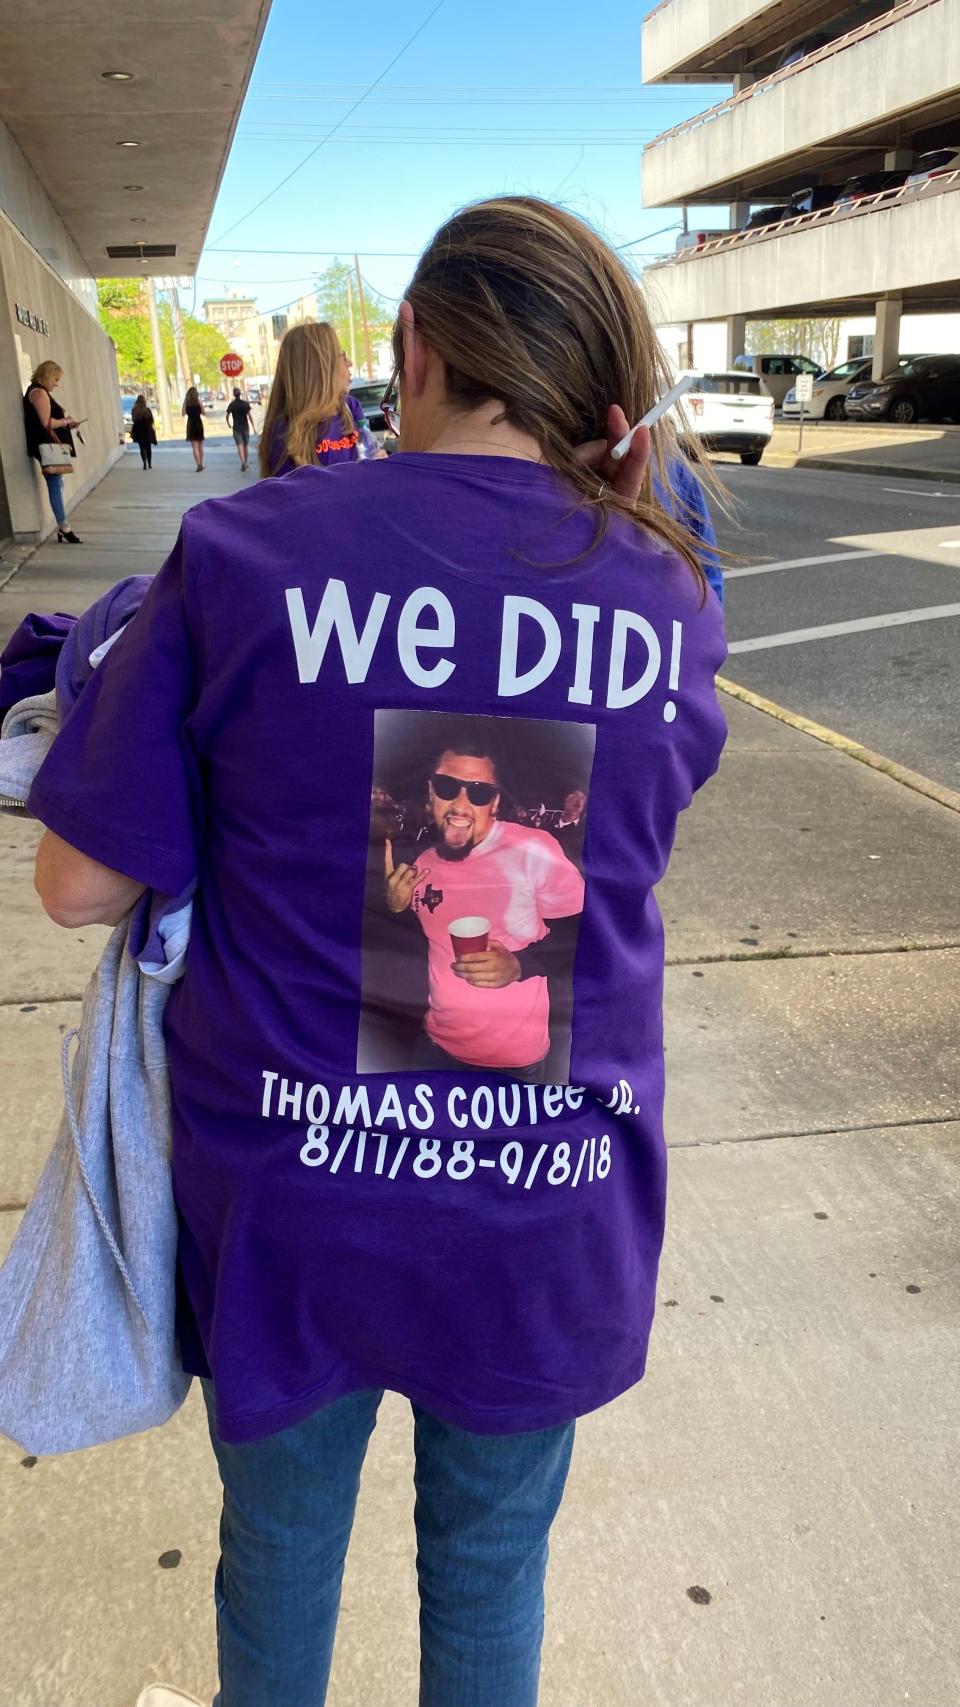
<point>474,894</point>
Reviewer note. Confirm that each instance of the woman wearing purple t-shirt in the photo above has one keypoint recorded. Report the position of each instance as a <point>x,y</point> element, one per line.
<point>311,417</point>
<point>416,1059</point>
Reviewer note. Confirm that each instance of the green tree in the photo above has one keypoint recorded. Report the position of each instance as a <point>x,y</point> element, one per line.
<point>333,304</point>
<point>124,318</point>
<point>817,338</point>
<point>205,346</point>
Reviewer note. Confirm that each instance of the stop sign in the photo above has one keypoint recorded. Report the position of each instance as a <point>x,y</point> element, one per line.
<point>231,366</point>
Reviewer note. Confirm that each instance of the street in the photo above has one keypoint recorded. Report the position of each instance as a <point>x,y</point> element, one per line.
<point>885,546</point>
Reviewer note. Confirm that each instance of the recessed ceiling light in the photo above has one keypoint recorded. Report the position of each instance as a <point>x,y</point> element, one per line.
<point>133,186</point>
<point>117,76</point>
<point>128,145</point>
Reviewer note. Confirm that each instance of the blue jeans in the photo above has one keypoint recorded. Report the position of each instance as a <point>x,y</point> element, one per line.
<point>55,493</point>
<point>484,1506</point>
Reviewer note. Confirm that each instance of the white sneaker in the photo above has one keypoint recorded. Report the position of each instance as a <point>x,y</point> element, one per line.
<point>161,1695</point>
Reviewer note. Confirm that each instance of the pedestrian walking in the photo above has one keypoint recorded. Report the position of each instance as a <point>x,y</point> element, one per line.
<point>46,424</point>
<point>311,416</point>
<point>241,412</point>
<point>142,430</point>
<point>193,410</point>
<point>497,609</point>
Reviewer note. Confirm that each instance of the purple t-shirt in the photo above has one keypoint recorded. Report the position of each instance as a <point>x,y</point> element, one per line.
<point>352,706</point>
<point>334,443</point>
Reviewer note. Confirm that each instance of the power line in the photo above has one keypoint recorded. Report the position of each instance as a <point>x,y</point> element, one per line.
<point>334,128</point>
<point>365,254</point>
<point>431,141</point>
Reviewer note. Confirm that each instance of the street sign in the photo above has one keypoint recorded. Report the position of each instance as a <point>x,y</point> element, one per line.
<point>231,366</point>
<point>804,387</point>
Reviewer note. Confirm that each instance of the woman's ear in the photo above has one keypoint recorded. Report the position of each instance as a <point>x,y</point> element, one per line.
<point>414,352</point>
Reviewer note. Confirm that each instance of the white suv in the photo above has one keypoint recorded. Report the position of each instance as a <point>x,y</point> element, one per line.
<point>727,411</point>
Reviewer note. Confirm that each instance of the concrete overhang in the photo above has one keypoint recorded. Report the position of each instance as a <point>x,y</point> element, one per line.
<point>191,61</point>
<point>896,86</point>
<point>708,41</point>
<point>910,246</point>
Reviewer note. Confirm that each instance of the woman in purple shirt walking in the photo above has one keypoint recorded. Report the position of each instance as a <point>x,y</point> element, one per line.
<point>311,417</point>
<point>464,633</point>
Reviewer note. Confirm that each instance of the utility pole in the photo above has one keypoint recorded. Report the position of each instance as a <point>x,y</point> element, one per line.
<point>179,336</point>
<point>363,317</point>
<point>163,393</point>
<point>353,330</point>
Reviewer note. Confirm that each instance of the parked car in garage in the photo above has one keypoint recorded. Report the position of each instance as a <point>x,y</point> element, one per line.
<point>828,402</point>
<point>778,372</point>
<point>696,239</point>
<point>934,164</point>
<point>869,184</point>
<point>920,386</point>
<point>727,412</point>
<point>767,216</point>
<point>814,199</point>
<point>800,49</point>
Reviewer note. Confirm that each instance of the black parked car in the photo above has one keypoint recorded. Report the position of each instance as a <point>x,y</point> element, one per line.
<point>767,216</point>
<point>814,199</point>
<point>921,386</point>
<point>870,184</point>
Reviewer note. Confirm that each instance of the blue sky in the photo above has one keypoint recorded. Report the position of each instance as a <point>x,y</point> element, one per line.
<point>531,96</point>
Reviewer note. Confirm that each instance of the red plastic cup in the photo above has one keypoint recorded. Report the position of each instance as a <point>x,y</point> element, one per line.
<point>469,936</point>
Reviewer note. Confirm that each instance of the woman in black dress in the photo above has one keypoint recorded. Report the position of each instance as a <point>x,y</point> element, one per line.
<point>142,430</point>
<point>193,409</point>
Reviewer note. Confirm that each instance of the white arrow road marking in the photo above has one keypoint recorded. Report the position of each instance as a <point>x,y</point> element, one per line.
<point>893,619</point>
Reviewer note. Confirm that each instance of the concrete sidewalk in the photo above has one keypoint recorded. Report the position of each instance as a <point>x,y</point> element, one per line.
<point>770,1519</point>
<point>927,452</point>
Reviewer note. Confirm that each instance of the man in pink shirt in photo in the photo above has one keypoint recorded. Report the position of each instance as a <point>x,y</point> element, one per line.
<point>489,1006</point>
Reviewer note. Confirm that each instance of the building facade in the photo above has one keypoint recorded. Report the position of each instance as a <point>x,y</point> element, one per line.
<point>254,337</point>
<point>822,93</point>
<point>111,154</point>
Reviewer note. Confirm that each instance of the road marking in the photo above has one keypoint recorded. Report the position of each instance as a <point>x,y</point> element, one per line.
<point>950,544</point>
<point>852,749</point>
<point>802,563</point>
<point>916,492</point>
<point>893,619</point>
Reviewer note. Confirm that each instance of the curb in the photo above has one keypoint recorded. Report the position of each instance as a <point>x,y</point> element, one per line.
<point>886,469</point>
<point>833,465</point>
<point>841,743</point>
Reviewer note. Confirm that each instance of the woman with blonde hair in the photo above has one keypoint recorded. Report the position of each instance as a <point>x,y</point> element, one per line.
<point>311,416</point>
<point>193,409</point>
<point>45,422</point>
<point>466,1235</point>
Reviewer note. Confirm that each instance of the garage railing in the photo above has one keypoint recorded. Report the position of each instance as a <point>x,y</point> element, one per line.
<point>944,183</point>
<point>753,91</point>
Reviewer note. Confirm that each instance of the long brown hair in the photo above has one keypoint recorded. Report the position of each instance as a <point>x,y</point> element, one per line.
<point>528,306</point>
<point>307,390</point>
<point>191,400</point>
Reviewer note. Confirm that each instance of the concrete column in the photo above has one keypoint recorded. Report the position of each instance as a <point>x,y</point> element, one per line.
<point>740,211</point>
<point>898,159</point>
<point>886,338</point>
<point>736,337</point>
